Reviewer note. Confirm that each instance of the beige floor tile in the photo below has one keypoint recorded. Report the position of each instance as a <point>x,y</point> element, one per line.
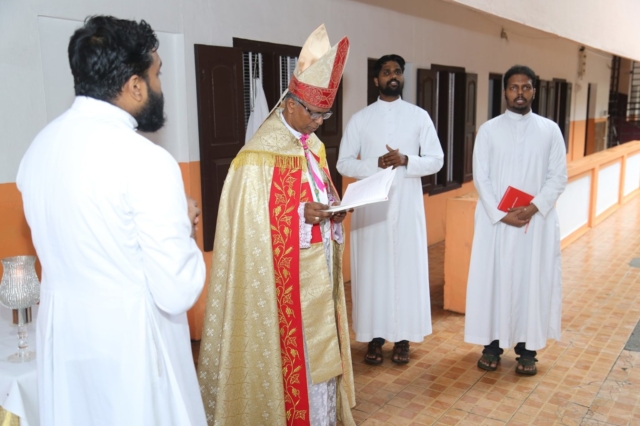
<point>585,379</point>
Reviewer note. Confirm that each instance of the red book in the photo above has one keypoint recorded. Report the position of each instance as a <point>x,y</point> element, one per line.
<point>513,198</point>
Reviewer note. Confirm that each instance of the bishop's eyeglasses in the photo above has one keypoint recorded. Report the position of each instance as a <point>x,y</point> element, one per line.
<point>314,114</point>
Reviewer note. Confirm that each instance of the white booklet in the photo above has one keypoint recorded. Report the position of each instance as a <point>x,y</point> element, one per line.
<point>373,189</point>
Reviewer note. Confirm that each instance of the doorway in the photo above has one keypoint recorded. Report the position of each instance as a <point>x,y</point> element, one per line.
<point>590,125</point>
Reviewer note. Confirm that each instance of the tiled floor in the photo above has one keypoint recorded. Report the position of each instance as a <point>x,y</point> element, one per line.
<point>585,379</point>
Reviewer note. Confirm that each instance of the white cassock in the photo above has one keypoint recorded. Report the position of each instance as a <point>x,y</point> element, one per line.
<point>514,291</point>
<point>108,216</point>
<point>389,260</point>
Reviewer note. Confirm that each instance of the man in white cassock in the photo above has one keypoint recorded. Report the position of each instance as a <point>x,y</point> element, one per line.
<point>113,230</point>
<point>389,261</point>
<point>514,293</point>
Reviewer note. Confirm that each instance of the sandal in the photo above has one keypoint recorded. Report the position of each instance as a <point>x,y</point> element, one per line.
<point>401,352</point>
<point>374,353</point>
<point>526,362</point>
<point>486,361</point>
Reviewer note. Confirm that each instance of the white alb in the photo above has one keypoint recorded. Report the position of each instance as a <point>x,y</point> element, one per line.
<point>514,291</point>
<point>108,217</point>
<point>389,261</point>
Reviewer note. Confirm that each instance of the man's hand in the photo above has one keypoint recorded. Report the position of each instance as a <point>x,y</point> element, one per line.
<point>393,158</point>
<point>527,212</point>
<point>512,218</point>
<point>313,212</point>
<point>194,215</point>
<point>338,217</point>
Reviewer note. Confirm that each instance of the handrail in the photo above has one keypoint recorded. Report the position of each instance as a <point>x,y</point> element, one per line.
<point>584,164</point>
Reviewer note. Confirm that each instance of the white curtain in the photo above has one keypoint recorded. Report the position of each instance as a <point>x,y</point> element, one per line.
<point>260,110</point>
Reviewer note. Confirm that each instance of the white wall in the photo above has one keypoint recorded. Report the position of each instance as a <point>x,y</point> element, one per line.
<point>608,187</point>
<point>444,33</point>
<point>605,25</point>
<point>573,206</point>
<point>58,81</point>
<point>632,174</point>
<point>597,70</point>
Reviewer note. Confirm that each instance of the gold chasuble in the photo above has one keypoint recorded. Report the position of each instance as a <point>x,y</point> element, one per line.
<point>264,289</point>
<point>269,299</point>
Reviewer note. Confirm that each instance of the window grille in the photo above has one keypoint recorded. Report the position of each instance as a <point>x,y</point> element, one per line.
<point>633,104</point>
<point>251,69</point>
<point>452,92</point>
<point>435,117</point>
<point>287,66</point>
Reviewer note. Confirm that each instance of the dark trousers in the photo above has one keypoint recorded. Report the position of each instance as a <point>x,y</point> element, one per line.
<point>494,349</point>
<point>381,341</point>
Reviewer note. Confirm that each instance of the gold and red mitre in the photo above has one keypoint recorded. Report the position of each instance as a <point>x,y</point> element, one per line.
<point>319,69</point>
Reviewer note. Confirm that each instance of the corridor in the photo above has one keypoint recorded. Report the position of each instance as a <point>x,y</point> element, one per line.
<point>588,378</point>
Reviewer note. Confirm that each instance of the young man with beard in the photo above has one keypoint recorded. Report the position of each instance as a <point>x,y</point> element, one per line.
<point>389,262</point>
<point>112,227</point>
<point>514,293</point>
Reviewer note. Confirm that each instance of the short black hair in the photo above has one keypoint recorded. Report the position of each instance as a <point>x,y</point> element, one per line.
<point>377,67</point>
<point>106,52</point>
<point>519,69</point>
<point>290,95</point>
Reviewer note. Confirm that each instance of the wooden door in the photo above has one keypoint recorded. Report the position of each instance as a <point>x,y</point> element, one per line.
<point>552,101</point>
<point>539,104</point>
<point>427,100</point>
<point>450,124</point>
<point>469,125</point>
<point>496,95</point>
<point>330,133</point>
<point>565,115</point>
<point>221,127</point>
<point>372,89</point>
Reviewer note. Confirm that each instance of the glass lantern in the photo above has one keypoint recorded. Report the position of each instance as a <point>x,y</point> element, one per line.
<point>19,290</point>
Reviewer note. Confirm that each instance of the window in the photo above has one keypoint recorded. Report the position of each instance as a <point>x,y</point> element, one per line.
<point>633,104</point>
<point>252,68</point>
<point>624,102</point>
<point>225,87</point>
<point>553,101</point>
<point>287,67</point>
<point>448,94</point>
<point>273,63</point>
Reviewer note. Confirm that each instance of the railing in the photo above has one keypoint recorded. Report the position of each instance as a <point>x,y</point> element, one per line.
<point>598,185</point>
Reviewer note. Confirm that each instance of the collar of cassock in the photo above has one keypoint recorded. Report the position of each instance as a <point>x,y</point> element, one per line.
<point>294,132</point>
<point>515,116</point>
<point>390,105</point>
<point>102,108</point>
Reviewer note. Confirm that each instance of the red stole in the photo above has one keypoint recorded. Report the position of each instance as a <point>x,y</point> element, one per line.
<point>287,192</point>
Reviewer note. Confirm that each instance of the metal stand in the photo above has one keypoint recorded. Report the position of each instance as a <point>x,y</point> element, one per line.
<point>22,317</point>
